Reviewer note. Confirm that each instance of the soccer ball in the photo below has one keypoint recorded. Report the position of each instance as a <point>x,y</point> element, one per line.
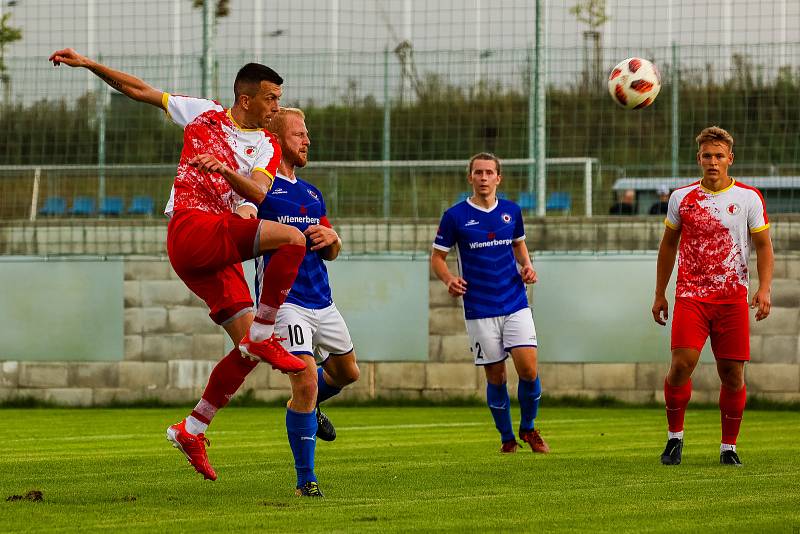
<point>634,83</point>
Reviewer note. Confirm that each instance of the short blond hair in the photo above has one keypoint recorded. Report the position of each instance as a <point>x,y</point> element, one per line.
<point>486,156</point>
<point>278,122</point>
<point>714,134</point>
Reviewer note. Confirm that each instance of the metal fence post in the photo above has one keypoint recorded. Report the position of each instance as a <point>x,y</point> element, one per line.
<point>387,124</point>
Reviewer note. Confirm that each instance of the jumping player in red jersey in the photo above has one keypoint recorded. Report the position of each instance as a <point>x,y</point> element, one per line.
<point>715,221</point>
<point>227,155</point>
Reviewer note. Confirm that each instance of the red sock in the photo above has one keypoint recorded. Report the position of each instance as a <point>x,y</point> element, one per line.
<point>226,378</point>
<point>731,408</point>
<point>677,398</point>
<point>277,280</point>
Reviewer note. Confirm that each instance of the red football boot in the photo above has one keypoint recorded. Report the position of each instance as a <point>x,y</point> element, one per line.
<point>509,446</point>
<point>193,447</point>
<point>534,439</point>
<point>271,351</point>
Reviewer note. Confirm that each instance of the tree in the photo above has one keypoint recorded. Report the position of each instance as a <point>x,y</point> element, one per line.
<point>8,35</point>
<point>593,14</point>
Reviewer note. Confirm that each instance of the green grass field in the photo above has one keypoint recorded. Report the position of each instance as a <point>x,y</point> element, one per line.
<point>397,469</point>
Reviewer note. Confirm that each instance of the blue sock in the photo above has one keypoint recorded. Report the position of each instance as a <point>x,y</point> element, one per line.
<point>529,393</point>
<point>302,431</point>
<point>324,390</point>
<point>499,404</point>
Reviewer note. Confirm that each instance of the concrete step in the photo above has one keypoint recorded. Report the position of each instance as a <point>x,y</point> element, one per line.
<point>785,293</point>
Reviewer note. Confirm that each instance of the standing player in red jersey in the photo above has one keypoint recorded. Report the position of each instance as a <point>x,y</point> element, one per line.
<point>227,155</point>
<point>715,221</point>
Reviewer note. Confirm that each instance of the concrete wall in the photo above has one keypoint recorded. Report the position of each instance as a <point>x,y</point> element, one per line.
<point>148,236</point>
<point>171,346</point>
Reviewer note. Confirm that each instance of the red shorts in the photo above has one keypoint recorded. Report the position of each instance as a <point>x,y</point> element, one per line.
<point>206,250</point>
<point>728,324</point>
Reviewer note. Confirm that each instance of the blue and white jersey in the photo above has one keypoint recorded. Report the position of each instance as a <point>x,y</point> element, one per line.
<point>483,239</point>
<point>299,204</point>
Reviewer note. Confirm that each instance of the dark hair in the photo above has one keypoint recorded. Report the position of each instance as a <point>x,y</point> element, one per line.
<point>486,156</point>
<point>250,77</point>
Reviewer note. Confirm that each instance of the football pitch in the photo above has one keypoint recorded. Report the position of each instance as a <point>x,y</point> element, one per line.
<point>397,469</point>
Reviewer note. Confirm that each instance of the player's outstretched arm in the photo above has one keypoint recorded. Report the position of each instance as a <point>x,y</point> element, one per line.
<point>666,262</point>
<point>129,85</point>
<point>765,263</point>
<point>456,285</point>
<point>522,256</point>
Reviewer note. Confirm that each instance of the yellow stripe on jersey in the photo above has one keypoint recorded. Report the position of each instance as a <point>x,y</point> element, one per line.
<point>230,116</point>
<point>165,104</point>
<point>733,182</point>
<point>271,178</point>
<point>670,225</point>
<point>759,229</point>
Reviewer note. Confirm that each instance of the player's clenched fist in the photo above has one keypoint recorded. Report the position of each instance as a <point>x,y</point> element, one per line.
<point>528,275</point>
<point>660,310</point>
<point>457,286</point>
<point>207,163</point>
<point>321,236</point>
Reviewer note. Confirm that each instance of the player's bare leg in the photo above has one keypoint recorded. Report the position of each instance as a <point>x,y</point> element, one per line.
<point>335,373</point>
<point>732,398</point>
<point>677,392</point>
<point>529,391</point>
<point>341,371</point>
<point>301,427</point>
<point>260,342</point>
<point>229,374</point>
<point>227,377</point>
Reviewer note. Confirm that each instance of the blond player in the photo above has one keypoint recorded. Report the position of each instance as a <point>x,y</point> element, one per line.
<point>713,222</point>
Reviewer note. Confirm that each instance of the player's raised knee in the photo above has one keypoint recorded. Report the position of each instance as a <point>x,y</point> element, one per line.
<point>351,374</point>
<point>295,237</point>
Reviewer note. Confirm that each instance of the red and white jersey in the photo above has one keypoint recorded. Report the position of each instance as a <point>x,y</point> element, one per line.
<point>209,128</point>
<point>715,239</point>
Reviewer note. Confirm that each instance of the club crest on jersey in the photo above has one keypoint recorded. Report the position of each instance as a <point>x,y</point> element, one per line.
<point>313,194</point>
<point>250,151</point>
<point>733,208</point>
<point>506,218</point>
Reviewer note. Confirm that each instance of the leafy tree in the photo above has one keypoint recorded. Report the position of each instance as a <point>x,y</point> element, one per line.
<point>593,14</point>
<point>8,35</point>
<point>223,7</point>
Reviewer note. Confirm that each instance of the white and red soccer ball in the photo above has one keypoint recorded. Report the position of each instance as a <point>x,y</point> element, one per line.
<point>634,83</point>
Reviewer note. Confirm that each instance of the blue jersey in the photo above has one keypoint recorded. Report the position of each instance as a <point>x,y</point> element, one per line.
<point>483,239</point>
<point>299,204</point>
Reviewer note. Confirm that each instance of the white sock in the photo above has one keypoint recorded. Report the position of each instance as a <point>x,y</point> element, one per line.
<point>726,447</point>
<point>671,435</point>
<point>261,331</point>
<point>195,426</point>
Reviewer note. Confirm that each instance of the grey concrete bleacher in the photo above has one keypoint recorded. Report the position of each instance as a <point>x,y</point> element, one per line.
<point>781,193</point>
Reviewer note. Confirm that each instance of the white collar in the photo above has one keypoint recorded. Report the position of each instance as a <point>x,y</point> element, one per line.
<point>481,208</point>
<point>290,180</point>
